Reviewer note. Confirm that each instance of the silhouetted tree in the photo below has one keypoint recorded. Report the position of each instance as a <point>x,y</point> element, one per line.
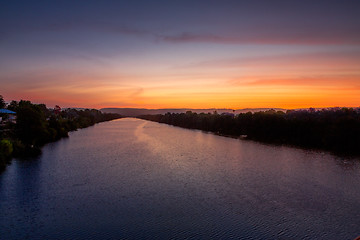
<point>13,105</point>
<point>31,124</point>
<point>2,102</point>
<point>37,125</point>
<point>335,129</point>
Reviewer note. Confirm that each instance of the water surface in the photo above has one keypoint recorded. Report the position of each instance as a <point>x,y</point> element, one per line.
<point>136,179</point>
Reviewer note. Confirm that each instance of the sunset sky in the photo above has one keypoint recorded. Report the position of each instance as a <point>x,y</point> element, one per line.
<point>181,54</point>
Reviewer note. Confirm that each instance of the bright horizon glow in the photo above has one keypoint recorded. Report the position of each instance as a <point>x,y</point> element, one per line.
<point>235,54</point>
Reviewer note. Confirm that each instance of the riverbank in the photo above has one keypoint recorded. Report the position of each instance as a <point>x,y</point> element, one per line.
<point>37,125</point>
<point>336,130</point>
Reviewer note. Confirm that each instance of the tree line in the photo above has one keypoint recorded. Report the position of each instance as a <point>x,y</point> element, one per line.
<point>37,125</point>
<point>336,129</point>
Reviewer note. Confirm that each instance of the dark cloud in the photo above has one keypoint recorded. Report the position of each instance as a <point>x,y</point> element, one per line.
<point>340,36</point>
<point>222,22</point>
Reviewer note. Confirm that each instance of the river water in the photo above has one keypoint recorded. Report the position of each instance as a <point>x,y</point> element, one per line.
<point>134,179</point>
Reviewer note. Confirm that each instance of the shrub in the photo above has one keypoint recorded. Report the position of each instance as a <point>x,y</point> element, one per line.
<point>6,150</point>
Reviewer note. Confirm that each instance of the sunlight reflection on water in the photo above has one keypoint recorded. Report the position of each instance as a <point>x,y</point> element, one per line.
<point>136,179</point>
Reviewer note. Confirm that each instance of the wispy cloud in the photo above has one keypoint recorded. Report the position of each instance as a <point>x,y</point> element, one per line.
<point>309,37</point>
<point>80,26</point>
<point>324,81</point>
<point>295,36</point>
<point>326,60</point>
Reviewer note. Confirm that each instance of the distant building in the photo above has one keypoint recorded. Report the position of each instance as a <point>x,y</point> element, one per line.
<point>11,116</point>
<point>228,114</point>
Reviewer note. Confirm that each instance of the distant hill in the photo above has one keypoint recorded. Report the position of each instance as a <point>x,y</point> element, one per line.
<point>134,112</point>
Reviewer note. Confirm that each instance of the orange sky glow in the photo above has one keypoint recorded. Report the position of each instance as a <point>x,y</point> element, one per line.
<point>221,59</point>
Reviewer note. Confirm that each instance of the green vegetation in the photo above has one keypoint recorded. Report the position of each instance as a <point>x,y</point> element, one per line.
<point>37,125</point>
<point>337,130</point>
<point>6,150</point>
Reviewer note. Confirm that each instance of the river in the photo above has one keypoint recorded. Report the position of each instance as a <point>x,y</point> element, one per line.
<point>135,179</point>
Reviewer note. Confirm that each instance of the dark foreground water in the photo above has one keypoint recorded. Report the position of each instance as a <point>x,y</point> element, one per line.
<point>132,179</point>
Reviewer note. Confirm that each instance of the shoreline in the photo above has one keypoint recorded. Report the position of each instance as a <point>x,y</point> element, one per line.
<point>334,132</point>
